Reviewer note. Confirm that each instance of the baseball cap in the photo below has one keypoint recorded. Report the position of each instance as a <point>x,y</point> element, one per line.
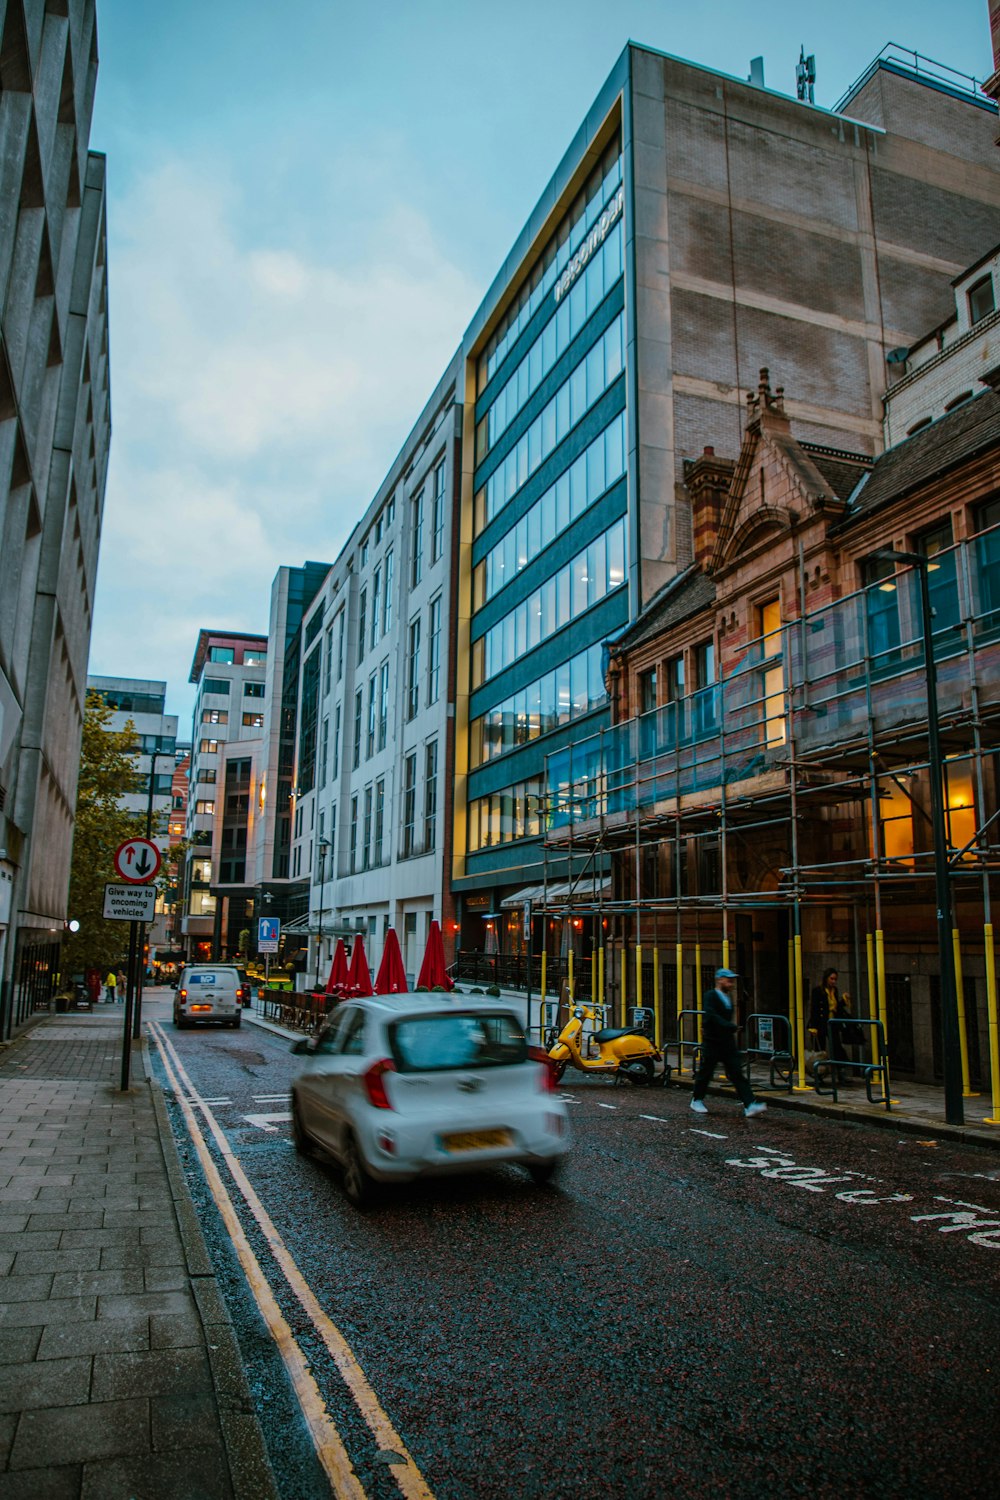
<point>726,974</point>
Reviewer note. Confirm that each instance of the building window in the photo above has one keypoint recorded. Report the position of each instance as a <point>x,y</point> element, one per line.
<point>388,565</point>
<point>216,685</point>
<point>379,822</point>
<point>340,644</point>
<point>358,714</point>
<point>335,772</point>
<point>434,651</point>
<point>204,808</point>
<point>328,662</point>
<point>437,514</point>
<point>253,721</point>
<point>366,830</point>
<point>706,691</point>
<point>982,300</point>
<point>376,606</point>
<point>986,568</point>
<point>878,577</point>
<point>206,776</point>
<point>647,691</point>
<point>201,904</point>
<point>371,715</point>
<point>215,716</point>
<point>409,804</point>
<point>942,578</point>
<point>209,747</point>
<point>416,539</point>
<point>773,677</point>
<point>253,690</point>
<point>324,746</point>
<point>255,657</point>
<point>383,704</point>
<point>221,653</point>
<point>354,835</point>
<point>895,817</point>
<point>364,553</point>
<point>362,622</point>
<point>413,670</point>
<point>430,797</point>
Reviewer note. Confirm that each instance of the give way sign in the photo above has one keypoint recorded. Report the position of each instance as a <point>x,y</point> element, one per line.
<point>137,859</point>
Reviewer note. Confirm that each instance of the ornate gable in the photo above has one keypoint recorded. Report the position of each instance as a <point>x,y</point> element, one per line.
<point>775,485</point>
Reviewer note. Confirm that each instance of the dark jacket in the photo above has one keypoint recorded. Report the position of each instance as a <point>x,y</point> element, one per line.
<point>819,1012</point>
<point>718,1019</point>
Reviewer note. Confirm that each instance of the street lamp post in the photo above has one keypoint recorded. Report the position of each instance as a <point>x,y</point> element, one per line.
<point>324,845</point>
<point>140,963</point>
<point>950,1043</point>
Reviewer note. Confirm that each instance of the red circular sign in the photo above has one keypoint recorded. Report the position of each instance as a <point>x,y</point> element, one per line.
<point>137,860</point>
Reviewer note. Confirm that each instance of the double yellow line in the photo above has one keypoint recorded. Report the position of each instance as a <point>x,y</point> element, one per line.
<point>326,1438</point>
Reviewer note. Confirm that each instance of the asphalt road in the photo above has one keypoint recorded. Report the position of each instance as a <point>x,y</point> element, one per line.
<point>704,1307</point>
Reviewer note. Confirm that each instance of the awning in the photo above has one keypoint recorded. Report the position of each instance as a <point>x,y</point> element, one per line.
<point>559,894</point>
<point>297,924</point>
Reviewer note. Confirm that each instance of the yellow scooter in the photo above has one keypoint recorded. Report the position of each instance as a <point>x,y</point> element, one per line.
<point>625,1053</point>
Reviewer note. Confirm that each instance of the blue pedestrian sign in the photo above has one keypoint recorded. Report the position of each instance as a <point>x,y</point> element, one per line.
<point>268,933</point>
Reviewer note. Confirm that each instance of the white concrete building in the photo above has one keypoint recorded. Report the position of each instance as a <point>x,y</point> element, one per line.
<point>371,807</point>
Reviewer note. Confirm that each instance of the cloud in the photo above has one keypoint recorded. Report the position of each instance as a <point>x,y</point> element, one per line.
<point>259,394</point>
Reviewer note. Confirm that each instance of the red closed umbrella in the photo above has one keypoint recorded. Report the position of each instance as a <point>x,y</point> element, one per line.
<point>339,972</point>
<point>359,980</point>
<point>433,971</point>
<point>391,978</point>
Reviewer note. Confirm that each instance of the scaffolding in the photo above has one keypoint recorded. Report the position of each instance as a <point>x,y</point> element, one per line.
<point>786,805</point>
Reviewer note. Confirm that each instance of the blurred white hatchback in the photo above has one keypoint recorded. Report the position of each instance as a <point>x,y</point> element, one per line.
<point>397,1087</point>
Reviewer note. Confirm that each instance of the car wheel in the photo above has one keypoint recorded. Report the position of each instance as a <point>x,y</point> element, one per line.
<point>358,1185</point>
<point>180,1023</point>
<point>235,1023</point>
<point>544,1172</point>
<point>301,1140</point>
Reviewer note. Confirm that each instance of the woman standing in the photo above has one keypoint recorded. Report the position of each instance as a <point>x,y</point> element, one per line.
<point>826,1005</point>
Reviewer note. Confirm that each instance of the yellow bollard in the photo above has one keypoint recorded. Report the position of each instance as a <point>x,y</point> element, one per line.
<point>994,1029</point>
<point>963,1035</point>
<point>697,985</point>
<point>880,983</point>
<point>725,953</point>
<point>800,1024</point>
<point>679,956</point>
<point>656,998</point>
<point>872,995</point>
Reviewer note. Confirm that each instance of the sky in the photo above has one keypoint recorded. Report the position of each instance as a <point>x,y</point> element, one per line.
<point>306,204</point>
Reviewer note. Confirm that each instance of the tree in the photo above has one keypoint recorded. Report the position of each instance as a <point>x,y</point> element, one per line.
<point>108,771</point>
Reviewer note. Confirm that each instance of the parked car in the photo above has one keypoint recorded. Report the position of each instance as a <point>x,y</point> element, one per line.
<point>401,1086</point>
<point>208,993</point>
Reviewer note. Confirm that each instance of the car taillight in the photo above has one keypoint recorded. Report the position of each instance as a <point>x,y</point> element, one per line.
<point>183,994</point>
<point>547,1078</point>
<point>374,1082</point>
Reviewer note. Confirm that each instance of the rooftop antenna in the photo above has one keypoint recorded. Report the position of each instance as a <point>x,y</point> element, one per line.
<point>805,77</point>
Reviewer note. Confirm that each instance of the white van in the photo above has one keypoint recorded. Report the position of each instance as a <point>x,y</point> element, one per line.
<point>208,992</point>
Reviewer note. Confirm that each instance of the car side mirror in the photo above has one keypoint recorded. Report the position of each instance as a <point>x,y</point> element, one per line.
<point>301,1046</point>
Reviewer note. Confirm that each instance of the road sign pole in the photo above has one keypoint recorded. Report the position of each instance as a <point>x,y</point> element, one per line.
<point>127,1032</point>
<point>139,967</point>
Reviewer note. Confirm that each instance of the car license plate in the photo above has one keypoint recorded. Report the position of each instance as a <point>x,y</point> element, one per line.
<point>476,1140</point>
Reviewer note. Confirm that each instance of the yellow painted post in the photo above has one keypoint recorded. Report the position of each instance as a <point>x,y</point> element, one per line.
<point>593,978</point>
<point>657,1030</point>
<point>880,982</point>
<point>697,985</point>
<point>872,996</point>
<point>800,1029</point>
<point>994,1026</point>
<point>638,974</point>
<point>571,982</point>
<point>963,1038</point>
<point>679,955</point>
<point>725,953</point>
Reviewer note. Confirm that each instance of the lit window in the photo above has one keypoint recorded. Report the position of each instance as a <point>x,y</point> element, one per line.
<point>253,721</point>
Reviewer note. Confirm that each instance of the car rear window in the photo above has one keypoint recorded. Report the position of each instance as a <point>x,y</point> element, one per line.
<point>433,1044</point>
<point>210,976</point>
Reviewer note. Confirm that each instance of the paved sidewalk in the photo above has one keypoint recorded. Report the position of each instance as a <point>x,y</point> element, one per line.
<point>120,1375</point>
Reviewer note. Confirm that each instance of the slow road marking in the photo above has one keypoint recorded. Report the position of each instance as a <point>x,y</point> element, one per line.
<point>263,1122</point>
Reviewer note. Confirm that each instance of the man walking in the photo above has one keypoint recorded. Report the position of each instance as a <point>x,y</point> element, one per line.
<point>719,1046</point>
<point>111,986</point>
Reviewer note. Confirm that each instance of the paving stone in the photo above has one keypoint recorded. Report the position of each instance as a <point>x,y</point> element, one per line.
<point>53,1382</point>
<point>86,1259</point>
<point>104,1337</point>
<point>8,1426</point>
<point>81,1434</point>
<point>144,1217</point>
<point>159,1372</point>
<point>184,1418</point>
<point>147,1302</point>
<point>25,1288</point>
<point>14,1224</point>
<point>61,1483</point>
<point>198,1474</point>
<point>176,1331</point>
<point>79,1239</point>
<point>18,1344</point>
<point>28,1240</point>
<point>101,1283</point>
<point>165,1278</point>
<point>56,1311</point>
<point>92,1219</point>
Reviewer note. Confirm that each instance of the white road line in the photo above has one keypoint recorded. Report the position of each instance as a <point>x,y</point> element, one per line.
<point>606,1106</point>
<point>712,1135</point>
<point>263,1122</point>
<point>405,1472</point>
<point>660,1118</point>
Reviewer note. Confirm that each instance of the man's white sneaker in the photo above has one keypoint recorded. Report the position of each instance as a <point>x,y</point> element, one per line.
<point>757,1108</point>
<point>698,1107</point>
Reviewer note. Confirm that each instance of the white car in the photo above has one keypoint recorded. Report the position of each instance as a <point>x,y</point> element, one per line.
<point>399,1086</point>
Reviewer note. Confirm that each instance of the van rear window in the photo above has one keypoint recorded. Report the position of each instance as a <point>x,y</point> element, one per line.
<point>435,1044</point>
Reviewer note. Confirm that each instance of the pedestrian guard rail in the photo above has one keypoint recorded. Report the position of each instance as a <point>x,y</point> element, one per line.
<point>769,1041</point>
<point>828,1072</point>
<point>688,1021</point>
